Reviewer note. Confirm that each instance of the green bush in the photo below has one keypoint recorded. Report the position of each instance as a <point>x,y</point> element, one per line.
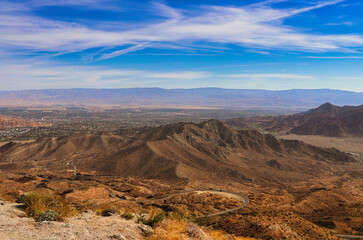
<point>154,218</point>
<point>48,215</point>
<point>182,216</point>
<point>109,211</point>
<point>127,215</point>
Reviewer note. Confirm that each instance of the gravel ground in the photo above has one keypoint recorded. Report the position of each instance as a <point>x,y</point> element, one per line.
<point>14,225</point>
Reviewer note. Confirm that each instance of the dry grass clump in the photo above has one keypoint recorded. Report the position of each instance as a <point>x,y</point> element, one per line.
<point>154,218</point>
<point>127,215</point>
<point>169,230</point>
<point>110,211</point>
<point>123,206</point>
<point>202,203</point>
<point>220,235</point>
<point>271,225</point>
<point>46,207</point>
<point>176,229</point>
<point>182,213</point>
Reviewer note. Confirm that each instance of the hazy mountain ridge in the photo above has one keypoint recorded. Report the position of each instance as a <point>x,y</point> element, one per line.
<point>326,120</point>
<point>206,97</point>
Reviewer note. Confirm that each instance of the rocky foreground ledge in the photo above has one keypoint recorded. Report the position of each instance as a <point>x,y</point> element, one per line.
<point>14,225</point>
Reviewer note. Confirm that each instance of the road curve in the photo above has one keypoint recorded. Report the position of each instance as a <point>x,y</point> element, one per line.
<point>237,196</point>
<point>350,237</point>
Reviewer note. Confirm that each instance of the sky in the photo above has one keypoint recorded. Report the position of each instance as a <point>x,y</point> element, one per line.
<point>244,44</point>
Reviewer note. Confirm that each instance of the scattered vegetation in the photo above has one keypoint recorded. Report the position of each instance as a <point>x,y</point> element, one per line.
<point>127,215</point>
<point>173,229</point>
<point>192,205</point>
<point>44,207</point>
<point>270,225</point>
<point>175,217</point>
<point>48,215</point>
<point>152,219</point>
<point>182,215</point>
<point>110,211</point>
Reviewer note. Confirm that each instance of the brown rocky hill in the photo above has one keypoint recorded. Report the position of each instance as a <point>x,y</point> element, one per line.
<point>10,122</point>
<point>204,152</point>
<point>326,120</point>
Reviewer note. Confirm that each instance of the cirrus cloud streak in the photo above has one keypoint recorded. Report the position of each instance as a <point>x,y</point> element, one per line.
<point>251,26</point>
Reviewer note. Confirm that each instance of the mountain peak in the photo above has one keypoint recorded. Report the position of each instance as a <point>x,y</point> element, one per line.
<point>326,108</point>
<point>327,105</point>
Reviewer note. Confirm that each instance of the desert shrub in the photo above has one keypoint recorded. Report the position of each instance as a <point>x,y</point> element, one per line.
<point>172,229</point>
<point>183,216</point>
<point>48,215</point>
<point>140,218</point>
<point>127,215</point>
<point>220,235</point>
<point>109,211</point>
<point>154,218</point>
<point>169,230</point>
<point>44,207</point>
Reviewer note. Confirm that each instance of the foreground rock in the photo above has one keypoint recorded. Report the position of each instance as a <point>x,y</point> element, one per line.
<point>14,225</point>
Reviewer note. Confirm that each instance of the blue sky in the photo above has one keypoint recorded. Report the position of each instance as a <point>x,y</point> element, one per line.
<point>271,44</point>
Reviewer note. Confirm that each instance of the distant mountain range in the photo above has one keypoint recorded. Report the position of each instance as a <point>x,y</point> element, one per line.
<point>326,120</point>
<point>198,97</point>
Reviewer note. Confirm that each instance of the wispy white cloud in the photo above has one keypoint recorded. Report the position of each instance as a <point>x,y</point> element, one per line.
<point>29,5</point>
<point>41,3</point>
<point>348,78</point>
<point>347,23</point>
<point>89,4</point>
<point>182,75</point>
<point>350,4</point>
<point>335,57</point>
<point>40,75</point>
<point>273,75</point>
<point>167,11</point>
<point>266,2</point>
<point>174,54</point>
<point>264,13</point>
<point>124,51</point>
<point>260,27</point>
<point>317,6</point>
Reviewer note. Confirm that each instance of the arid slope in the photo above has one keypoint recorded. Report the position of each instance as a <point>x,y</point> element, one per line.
<point>10,122</point>
<point>326,120</point>
<point>205,152</point>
